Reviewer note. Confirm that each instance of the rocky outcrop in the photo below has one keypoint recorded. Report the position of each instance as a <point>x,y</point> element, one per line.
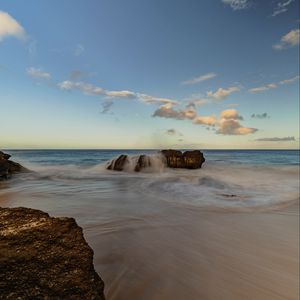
<point>167,158</point>
<point>8,167</point>
<point>188,159</point>
<point>45,258</point>
<point>119,163</point>
<point>142,163</point>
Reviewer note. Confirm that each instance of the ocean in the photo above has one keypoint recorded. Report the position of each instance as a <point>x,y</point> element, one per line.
<point>148,229</point>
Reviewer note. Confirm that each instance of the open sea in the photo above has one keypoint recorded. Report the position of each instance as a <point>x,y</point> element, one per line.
<point>130,218</point>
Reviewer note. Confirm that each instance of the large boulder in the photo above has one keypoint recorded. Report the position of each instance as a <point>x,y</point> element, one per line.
<point>8,167</point>
<point>188,160</point>
<point>45,258</point>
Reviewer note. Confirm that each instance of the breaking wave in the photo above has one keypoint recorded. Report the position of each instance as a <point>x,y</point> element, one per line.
<point>239,187</point>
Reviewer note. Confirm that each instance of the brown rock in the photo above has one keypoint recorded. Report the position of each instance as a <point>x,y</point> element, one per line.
<point>119,163</point>
<point>8,167</point>
<point>45,258</point>
<point>188,160</point>
<point>174,158</point>
<point>4,155</point>
<point>193,159</point>
<point>142,163</point>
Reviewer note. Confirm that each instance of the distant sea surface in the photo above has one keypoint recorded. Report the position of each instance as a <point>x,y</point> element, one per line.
<point>157,234</point>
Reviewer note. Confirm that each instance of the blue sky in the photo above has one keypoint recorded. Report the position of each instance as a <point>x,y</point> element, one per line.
<point>149,74</point>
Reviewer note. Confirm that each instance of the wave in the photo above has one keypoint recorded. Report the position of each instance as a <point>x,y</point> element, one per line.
<point>222,186</point>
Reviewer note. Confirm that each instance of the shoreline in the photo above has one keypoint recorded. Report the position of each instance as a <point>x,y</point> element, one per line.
<point>192,253</point>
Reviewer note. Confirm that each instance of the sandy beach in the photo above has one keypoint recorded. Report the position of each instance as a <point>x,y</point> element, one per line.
<point>188,253</point>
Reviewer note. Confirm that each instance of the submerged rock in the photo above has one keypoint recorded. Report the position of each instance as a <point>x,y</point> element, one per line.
<point>45,258</point>
<point>8,167</point>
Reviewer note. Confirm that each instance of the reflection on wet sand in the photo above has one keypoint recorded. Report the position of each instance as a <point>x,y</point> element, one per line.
<point>191,254</point>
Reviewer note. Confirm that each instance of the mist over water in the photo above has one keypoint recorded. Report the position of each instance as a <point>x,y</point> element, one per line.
<point>168,233</point>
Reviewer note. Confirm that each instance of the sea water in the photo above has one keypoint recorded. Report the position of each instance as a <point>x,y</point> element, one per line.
<point>167,233</point>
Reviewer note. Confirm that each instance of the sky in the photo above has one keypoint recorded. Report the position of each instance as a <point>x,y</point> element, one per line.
<point>99,74</point>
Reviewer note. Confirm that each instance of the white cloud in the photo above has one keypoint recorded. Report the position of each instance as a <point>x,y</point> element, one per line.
<point>120,94</point>
<point>281,7</point>
<point>92,90</point>
<point>38,73</point>
<point>155,100</point>
<point>200,78</point>
<point>289,81</point>
<point>86,88</point>
<point>263,88</point>
<point>290,39</point>
<point>231,114</point>
<point>233,127</point>
<point>227,124</point>
<point>10,27</point>
<point>205,120</point>
<point>79,50</point>
<point>237,4</point>
<point>221,93</point>
<point>167,111</point>
<point>273,85</point>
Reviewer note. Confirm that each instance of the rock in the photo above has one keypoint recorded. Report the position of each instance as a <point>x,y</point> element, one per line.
<point>4,155</point>
<point>142,163</point>
<point>119,163</point>
<point>45,258</point>
<point>174,158</point>
<point>193,159</point>
<point>188,159</point>
<point>8,167</point>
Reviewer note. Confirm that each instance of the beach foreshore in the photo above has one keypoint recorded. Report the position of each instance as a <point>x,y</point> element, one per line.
<point>188,253</point>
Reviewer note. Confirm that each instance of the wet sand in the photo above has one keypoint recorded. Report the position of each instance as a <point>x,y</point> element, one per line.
<point>193,254</point>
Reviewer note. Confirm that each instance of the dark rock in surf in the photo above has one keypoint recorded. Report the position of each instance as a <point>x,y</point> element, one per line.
<point>142,163</point>
<point>193,159</point>
<point>4,155</point>
<point>8,167</point>
<point>188,160</point>
<point>169,158</point>
<point>45,258</point>
<point>174,158</point>
<point>119,163</point>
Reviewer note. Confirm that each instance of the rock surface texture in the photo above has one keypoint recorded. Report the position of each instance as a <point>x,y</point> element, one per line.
<point>188,159</point>
<point>45,258</point>
<point>8,167</point>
